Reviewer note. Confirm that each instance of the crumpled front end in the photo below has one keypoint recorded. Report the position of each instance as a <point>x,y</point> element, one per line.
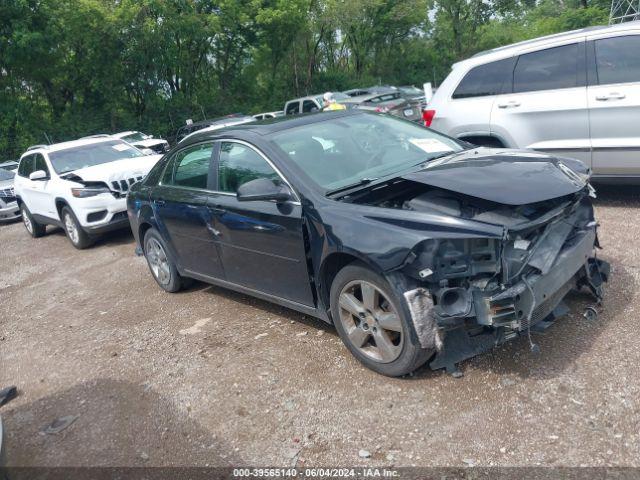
<point>486,291</point>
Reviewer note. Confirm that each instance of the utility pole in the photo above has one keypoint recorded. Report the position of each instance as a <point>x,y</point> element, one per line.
<point>624,11</point>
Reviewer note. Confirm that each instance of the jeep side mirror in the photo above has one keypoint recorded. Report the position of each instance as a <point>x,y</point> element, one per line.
<point>38,175</point>
<point>263,189</point>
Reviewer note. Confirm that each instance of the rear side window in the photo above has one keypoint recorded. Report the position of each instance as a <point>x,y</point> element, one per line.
<point>240,164</point>
<point>26,166</point>
<point>484,80</point>
<point>617,59</point>
<point>547,69</point>
<point>292,108</point>
<point>309,106</point>
<point>190,167</point>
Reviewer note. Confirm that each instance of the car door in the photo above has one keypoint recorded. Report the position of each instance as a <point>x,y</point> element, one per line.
<point>261,242</point>
<point>545,107</point>
<point>40,196</point>
<point>614,103</point>
<point>180,203</point>
<point>29,189</point>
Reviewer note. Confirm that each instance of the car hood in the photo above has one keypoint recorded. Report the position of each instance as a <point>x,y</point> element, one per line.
<point>6,183</point>
<point>511,177</point>
<point>116,170</point>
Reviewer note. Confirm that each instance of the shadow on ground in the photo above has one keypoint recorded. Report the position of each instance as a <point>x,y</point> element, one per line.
<point>118,424</point>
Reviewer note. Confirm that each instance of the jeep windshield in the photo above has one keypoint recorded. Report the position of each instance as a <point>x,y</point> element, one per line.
<point>354,150</point>
<point>135,137</point>
<point>70,159</point>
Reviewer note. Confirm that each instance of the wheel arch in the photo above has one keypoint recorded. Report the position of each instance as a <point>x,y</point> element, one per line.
<point>331,265</point>
<point>484,140</point>
<point>60,204</point>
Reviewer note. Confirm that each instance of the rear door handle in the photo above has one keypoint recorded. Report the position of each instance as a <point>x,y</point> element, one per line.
<point>610,96</point>
<point>160,203</point>
<point>510,104</point>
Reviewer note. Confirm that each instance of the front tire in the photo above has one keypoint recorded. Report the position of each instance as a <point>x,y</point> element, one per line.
<point>162,267</point>
<point>371,322</point>
<point>75,233</point>
<point>33,228</point>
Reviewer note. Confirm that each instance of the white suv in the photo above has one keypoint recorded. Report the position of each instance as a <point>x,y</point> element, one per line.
<point>80,186</point>
<point>574,94</point>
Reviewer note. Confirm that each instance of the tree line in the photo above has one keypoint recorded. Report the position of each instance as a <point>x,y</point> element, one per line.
<point>76,67</point>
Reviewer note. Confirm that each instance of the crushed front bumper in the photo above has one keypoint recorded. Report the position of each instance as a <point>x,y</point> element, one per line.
<point>534,302</point>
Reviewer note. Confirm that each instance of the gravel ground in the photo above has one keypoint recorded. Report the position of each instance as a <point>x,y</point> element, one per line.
<point>211,377</point>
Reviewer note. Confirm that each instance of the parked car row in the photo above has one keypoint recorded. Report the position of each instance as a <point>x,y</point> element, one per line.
<point>574,94</point>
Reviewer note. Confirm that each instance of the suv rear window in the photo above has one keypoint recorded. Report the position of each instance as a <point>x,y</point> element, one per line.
<point>484,80</point>
<point>547,69</point>
<point>618,60</point>
<point>292,108</point>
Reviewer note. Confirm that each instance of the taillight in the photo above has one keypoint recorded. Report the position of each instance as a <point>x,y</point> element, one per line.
<point>382,109</point>
<point>427,116</point>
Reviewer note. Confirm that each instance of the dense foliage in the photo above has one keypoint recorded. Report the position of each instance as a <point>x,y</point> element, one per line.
<point>75,67</point>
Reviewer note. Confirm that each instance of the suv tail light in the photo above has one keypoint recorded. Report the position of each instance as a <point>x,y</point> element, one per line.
<point>427,116</point>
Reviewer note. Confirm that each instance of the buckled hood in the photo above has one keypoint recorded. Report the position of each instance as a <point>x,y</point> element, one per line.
<point>510,177</point>
<point>115,171</point>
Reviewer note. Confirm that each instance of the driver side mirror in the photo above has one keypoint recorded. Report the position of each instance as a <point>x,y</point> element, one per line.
<point>263,189</point>
<point>38,175</point>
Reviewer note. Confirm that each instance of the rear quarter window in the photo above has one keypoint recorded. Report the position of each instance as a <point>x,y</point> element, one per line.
<point>485,80</point>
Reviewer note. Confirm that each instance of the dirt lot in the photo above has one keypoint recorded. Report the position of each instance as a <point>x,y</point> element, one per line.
<point>210,377</point>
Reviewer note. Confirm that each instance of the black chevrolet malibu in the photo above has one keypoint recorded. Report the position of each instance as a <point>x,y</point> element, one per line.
<point>415,246</point>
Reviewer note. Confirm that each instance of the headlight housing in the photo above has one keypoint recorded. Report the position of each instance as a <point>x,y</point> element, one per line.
<point>86,192</point>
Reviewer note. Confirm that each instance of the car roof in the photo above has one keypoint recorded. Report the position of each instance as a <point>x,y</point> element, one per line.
<point>70,144</point>
<point>275,125</point>
<point>308,97</point>
<point>508,50</point>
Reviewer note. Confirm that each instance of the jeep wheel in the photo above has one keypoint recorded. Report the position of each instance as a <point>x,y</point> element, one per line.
<point>75,233</point>
<point>34,228</point>
<point>372,323</point>
<point>162,268</point>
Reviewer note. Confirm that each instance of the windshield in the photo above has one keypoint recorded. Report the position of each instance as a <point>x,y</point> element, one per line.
<point>135,137</point>
<point>6,175</point>
<point>64,161</point>
<point>345,151</point>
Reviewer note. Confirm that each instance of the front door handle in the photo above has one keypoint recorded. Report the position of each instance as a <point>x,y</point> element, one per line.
<point>509,104</point>
<point>213,231</point>
<point>610,96</point>
<point>160,203</point>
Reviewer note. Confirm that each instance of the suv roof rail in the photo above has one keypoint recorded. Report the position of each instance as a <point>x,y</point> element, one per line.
<point>35,147</point>
<point>97,135</point>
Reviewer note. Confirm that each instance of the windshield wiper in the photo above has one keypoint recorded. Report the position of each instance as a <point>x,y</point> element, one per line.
<point>359,183</point>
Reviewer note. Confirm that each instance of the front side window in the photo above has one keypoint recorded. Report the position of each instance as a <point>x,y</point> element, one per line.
<point>189,167</point>
<point>309,106</point>
<point>26,166</point>
<point>617,59</point>
<point>484,80</point>
<point>339,152</point>
<point>547,69</point>
<point>40,164</point>
<point>240,164</point>
<point>70,159</point>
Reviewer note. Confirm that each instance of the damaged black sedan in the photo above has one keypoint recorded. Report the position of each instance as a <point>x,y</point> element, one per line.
<point>416,247</point>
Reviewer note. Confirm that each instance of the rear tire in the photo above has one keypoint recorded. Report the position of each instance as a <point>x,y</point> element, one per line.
<point>75,233</point>
<point>162,267</point>
<point>372,323</point>
<point>33,228</point>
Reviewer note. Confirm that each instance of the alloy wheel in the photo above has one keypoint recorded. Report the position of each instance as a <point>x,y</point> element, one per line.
<point>371,323</point>
<point>71,228</point>
<point>158,261</point>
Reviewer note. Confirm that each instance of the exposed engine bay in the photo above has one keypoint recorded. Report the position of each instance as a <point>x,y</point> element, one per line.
<point>485,291</point>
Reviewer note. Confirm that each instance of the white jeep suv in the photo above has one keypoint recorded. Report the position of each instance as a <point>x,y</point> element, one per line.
<point>574,94</point>
<point>80,186</point>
